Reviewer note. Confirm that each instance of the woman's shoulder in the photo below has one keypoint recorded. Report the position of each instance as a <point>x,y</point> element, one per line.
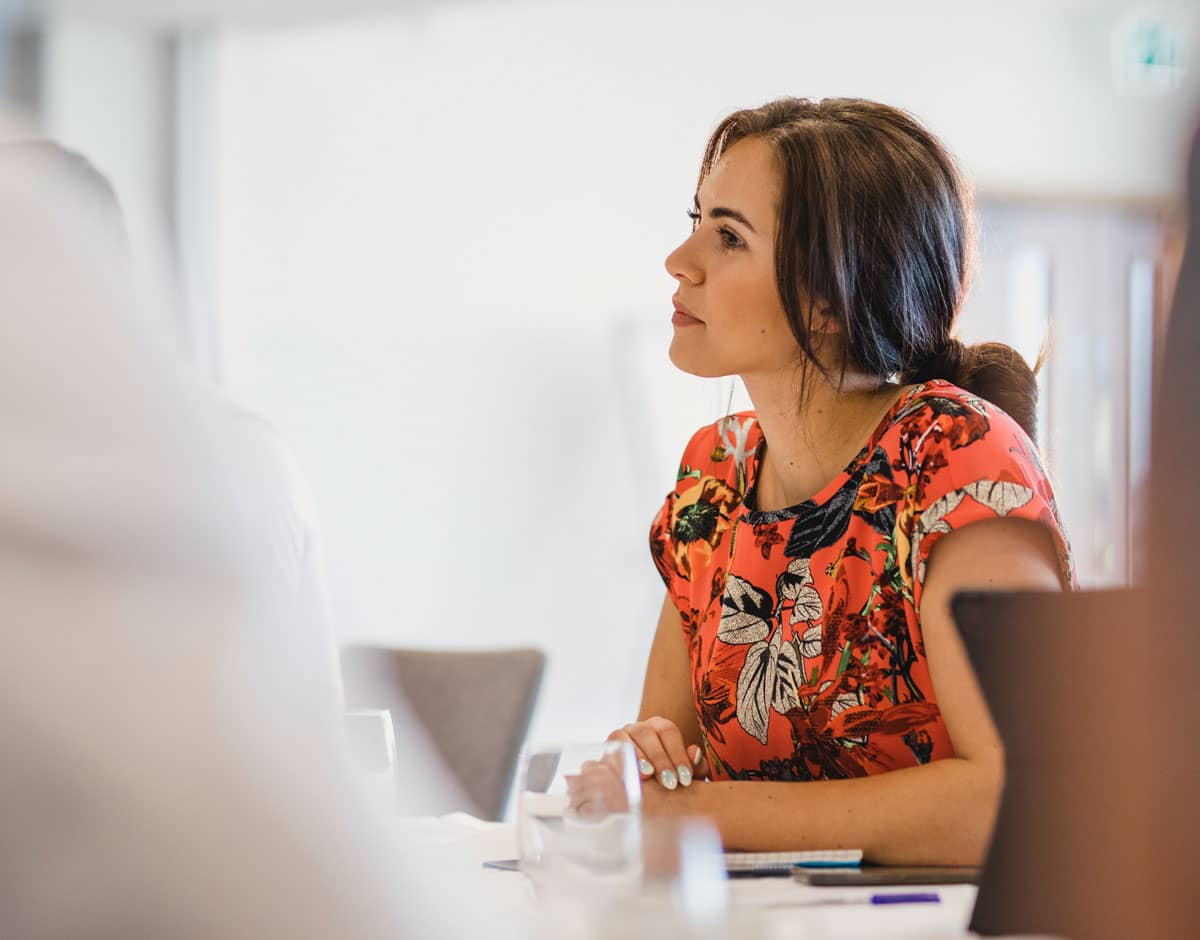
<point>965,460</point>
<point>936,391</point>
<point>944,439</point>
<point>722,449</point>
<point>940,416</point>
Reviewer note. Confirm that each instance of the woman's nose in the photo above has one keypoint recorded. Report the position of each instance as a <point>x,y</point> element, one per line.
<point>682,266</point>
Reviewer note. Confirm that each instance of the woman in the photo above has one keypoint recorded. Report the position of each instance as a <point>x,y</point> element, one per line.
<point>805,661</point>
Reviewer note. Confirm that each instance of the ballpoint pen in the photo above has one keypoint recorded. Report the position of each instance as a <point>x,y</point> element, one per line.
<point>910,898</point>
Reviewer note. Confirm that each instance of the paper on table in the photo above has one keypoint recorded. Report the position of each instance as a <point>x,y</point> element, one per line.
<point>782,862</point>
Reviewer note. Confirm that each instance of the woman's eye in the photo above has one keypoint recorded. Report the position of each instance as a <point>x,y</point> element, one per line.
<point>729,238</point>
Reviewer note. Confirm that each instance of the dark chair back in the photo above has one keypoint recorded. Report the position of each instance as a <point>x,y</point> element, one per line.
<point>475,706</point>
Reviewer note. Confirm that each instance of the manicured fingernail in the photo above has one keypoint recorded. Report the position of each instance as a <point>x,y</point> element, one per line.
<point>646,768</point>
<point>697,756</point>
<point>685,774</point>
<point>668,779</point>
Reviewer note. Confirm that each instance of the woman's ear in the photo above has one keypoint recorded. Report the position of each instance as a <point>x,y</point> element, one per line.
<point>826,338</point>
<point>821,322</point>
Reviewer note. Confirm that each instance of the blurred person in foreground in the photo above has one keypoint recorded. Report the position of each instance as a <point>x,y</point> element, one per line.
<point>1173,731</point>
<point>806,666</point>
<point>265,488</point>
<point>148,789</point>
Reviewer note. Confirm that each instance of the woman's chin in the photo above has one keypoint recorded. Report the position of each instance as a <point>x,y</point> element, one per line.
<point>689,362</point>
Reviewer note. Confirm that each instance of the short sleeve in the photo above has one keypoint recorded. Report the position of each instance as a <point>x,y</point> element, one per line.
<point>692,526</point>
<point>990,470</point>
<point>660,541</point>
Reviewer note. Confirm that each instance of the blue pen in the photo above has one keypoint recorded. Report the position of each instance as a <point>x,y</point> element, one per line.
<point>918,898</point>
<point>911,898</point>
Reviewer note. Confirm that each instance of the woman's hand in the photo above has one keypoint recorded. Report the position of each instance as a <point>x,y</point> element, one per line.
<point>599,787</point>
<point>662,753</point>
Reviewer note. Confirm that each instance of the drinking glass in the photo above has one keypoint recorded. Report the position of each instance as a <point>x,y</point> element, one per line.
<point>579,821</point>
<point>684,890</point>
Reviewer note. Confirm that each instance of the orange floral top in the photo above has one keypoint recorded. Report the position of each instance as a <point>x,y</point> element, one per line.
<point>802,624</point>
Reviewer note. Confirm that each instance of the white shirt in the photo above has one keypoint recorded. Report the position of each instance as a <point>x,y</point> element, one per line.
<point>147,789</point>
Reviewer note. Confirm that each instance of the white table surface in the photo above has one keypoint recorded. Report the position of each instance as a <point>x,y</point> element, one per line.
<point>775,907</point>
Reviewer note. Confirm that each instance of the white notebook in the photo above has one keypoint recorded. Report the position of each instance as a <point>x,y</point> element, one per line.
<point>780,863</point>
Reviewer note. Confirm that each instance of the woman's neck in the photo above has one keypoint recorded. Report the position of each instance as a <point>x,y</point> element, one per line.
<point>811,439</point>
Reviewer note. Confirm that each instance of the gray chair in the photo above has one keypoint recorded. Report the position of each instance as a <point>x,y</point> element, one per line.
<point>475,707</point>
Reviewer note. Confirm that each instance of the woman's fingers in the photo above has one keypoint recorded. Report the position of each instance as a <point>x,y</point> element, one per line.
<point>662,745</point>
<point>597,789</point>
<point>651,748</point>
<point>681,766</point>
<point>662,753</point>
<point>645,768</point>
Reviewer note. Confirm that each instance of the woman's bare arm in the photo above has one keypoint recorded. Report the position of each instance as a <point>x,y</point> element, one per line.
<point>667,691</point>
<point>939,813</point>
<point>667,733</point>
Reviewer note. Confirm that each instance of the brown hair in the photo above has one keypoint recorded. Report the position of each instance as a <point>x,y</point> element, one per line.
<point>877,226</point>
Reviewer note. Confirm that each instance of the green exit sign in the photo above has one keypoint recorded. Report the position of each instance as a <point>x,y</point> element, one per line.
<point>1150,51</point>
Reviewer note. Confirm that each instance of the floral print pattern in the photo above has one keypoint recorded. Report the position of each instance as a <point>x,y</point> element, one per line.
<point>802,624</point>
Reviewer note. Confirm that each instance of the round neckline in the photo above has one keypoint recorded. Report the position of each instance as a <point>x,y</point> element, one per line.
<point>758,516</point>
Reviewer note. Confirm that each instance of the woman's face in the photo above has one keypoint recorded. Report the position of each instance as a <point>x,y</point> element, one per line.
<point>728,318</point>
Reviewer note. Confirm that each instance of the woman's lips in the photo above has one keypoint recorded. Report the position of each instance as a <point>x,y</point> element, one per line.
<point>683,319</point>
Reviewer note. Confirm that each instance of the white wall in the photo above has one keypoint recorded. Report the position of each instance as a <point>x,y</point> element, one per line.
<point>436,230</point>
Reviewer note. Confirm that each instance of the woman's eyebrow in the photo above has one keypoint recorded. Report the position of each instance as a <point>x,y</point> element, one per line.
<point>723,212</point>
